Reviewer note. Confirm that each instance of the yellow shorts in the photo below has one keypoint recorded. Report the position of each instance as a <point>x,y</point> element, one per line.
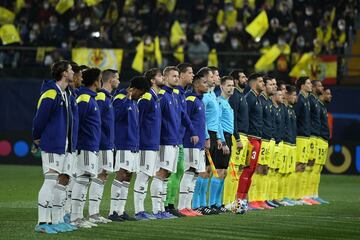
<point>273,161</point>
<point>313,148</point>
<point>323,147</point>
<point>238,157</point>
<point>266,152</point>
<point>265,145</point>
<point>291,160</point>
<point>283,158</point>
<point>280,156</point>
<point>302,148</point>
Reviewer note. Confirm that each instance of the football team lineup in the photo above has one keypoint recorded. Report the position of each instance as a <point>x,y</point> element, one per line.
<point>196,144</point>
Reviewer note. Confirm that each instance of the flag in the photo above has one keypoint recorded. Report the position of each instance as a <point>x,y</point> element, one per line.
<point>212,58</point>
<point>64,5</point>
<point>6,16</point>
<point>179,53</point>
<point>158,55</point>
<point>90,3</point>
<point>258,27</point>
<point>138,62</point>
<point>100,58</point>
<point>19,5</point>
<point>212,165</point>
<point>302,67</point>
<point>170,4</point>
<point>324,68</point>
<point>9,34</point>
<point>40,53</point>
<point>177,34</point>
<point>267,58</point>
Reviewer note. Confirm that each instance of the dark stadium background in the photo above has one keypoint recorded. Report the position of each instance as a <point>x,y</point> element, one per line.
<point>23,68</point>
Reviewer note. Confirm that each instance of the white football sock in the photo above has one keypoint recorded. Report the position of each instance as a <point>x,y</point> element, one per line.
<point>45,197</point>
<point>155,189</point>
<point>139,191</point>
<point>163,194</point>
<point>191,193</point>
<point>184,188</point>
<point>95,188</point>
<point>78,197</point>
<point>123,196</point>
<point>69,187</point>
<point>58,203</point>
<point>115,196</point>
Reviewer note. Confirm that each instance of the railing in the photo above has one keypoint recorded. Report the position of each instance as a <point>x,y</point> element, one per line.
<point>34,62</point>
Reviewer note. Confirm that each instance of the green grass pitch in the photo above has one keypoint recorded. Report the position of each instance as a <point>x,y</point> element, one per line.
<point>19,186</point>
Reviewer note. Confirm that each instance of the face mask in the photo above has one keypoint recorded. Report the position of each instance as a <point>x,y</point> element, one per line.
<point>163,43</point>
<point>308,11</point>
<point>281,42</point>
<point>234,43</point>
<point>32,36</point>
<point>300,42</point>
<point>266,43</point>
<point>46,5</point>
<point>341,25</point>
<point>147,41</point>
<point>87,22</point>
<point>217,38</point>
<point>129,39</point>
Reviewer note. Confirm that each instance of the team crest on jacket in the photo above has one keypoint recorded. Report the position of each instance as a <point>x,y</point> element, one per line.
<point>129,108</point>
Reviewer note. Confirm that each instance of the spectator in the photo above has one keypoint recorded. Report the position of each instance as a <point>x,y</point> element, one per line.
<point>198,51</point>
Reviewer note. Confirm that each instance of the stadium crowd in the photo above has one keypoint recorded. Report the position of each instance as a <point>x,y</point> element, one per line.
<point>247,142</point>
<point>298,26</point>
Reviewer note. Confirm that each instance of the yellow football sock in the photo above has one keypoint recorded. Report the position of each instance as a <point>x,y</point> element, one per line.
<point>292,185</point>
<point>265,179</point>
<point>228,186</point>
<point>316,180</point>
<point>298,182</point>
<point>235,186</point>
<point>271,185</point>
<point>309,183</point>
<point>280,188</point>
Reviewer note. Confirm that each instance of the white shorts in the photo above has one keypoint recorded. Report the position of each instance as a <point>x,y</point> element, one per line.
<point>52,161</point>
<point>106,161</point>
<point>169,157</point>
<point>127,160</point>
<point>149,162</point>
<point>195,158</point>
<point>70,164</point>
<point>87,162</point>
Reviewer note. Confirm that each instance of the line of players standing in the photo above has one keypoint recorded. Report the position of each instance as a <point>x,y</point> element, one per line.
<point>156,129</point>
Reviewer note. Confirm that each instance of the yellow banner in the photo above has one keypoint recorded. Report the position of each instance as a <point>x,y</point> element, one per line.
<point>9,34</point>
<point>64,5</point>
<point>213,58</point>
<point>100,58</point>
<point>179,54</point>
<point>6,16</point>
<point>177,34</point>
<point>302,67</point>
<point>90,3</point>
<point>158,55</point>
<point>267,58</point>
<point>138,62</point>
<point>258,27</point>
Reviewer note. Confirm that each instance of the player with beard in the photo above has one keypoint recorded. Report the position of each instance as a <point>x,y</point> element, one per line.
<point>240,141</point>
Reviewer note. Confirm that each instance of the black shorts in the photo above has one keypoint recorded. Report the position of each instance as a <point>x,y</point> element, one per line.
<point>221,161</point>
<point>213,146</point>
